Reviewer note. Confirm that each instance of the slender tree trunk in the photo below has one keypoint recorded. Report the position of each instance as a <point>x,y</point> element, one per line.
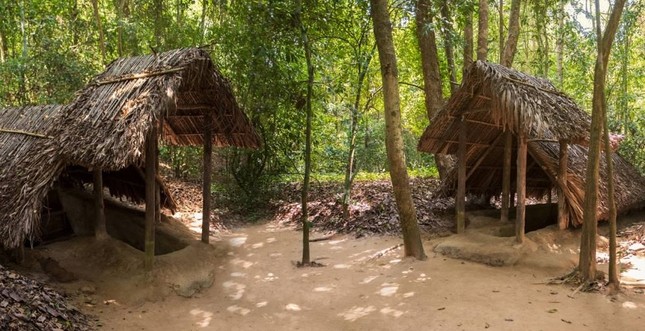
<point>560,43</point>
<point>22,90</point>
<point>468,41</point>
<point>513,34</point>
<point>350,168</point>
<point>159,24</point>
<point>432,84</point>
<point>99,27</point>
<point>3,48</point>
<point>446,27</point>
<point>482,38</point>
<point>119,27</point>
<point>500,11</point>
<point>306,260</point>
<point>100,229</point>
<point>393,138</point>
<point>587,262</point>
<point>613,258</point>
<point>202,22</point>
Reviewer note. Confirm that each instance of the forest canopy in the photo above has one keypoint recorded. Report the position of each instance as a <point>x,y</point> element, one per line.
<point>50,48</point>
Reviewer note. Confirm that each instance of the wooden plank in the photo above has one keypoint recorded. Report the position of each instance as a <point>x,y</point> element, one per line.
<point>563,210</point>
<point>151,183</point>
<point>484,155</point>
<point>521,187</point>
<point>506,175</point>
<point>206,189</point>
<point>461,180</point>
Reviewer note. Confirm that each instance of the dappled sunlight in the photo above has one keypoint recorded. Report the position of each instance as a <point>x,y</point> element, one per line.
<point>269,277</point>
<point>238,310</point>
<point>369,279</point>
<point>236,287</point>
<point>336,242</point>
<point>205,317</point>
<point>408,294</point>
<point>262,304</point>
<point>356,312</point>
<point>391,312</point>
<point>292,307</point>
<point>322,289</point>
<point>238,274</point>
<point>257,245</point>
<point>368,251</point>
<point>274,255</point>
<point>237,241</point>
<point>243,263</point>
<point>388,289</point>
<point>342,266</point>
<point>270,240</point>
<point>629,305</point>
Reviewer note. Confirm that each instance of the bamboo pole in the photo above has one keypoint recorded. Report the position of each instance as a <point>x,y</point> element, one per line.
<point>521,187</point>
<point>506,174</point>
<point>100,229</point>
<point>31,134</point>
<point>563,213</point>
<point>461,175</point>
<point>151,183</point>
<point>206,189</point>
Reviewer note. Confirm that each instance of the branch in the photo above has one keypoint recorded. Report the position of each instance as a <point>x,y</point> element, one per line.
<point>31,134</point>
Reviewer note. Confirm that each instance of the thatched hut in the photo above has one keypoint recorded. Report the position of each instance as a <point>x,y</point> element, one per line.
<point>113,127</point>
<point>494,103</point>
<point>32,164</point>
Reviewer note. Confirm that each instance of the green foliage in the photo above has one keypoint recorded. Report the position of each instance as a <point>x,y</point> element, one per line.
<point>50,48</point>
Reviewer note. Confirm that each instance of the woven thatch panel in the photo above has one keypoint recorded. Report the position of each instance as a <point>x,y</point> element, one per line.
<point>492,99</point>
<point>29,164</point>
<point>107,123</point>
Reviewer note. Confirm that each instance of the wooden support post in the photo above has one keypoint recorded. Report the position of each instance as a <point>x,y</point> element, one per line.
<point>460,202</point>
<point>100,229</point>
<point>151,194</point>
<point>521,187</point>
<point>563,213</point>
<point>206,192</point>
<point>506,174</point>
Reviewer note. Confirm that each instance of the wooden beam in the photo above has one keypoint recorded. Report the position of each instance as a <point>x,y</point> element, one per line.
<point>521,187</point>
<point>100,229</point>
<point>563,212</point>
<point>195,107</point>
<point>151,183</point>
<point>206,189</point>
<point>461,180</point>
<point>506,175</point>
<point>484,155</point>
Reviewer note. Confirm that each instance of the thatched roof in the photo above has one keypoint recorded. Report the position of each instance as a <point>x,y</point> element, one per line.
<point>29,165</point>
<point>106,125</point>
<point>492,99</point>
<point>32,162</point>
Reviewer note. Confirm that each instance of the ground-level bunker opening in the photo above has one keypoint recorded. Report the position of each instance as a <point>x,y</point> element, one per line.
<point>75,214</point>
<point>538,216</point>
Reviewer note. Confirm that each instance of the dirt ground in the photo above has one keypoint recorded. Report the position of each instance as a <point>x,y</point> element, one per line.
<point>254,284</point>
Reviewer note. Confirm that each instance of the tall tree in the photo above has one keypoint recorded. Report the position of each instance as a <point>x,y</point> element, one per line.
<point>306,44</point>
<point>447,29</point>
<point>513,34</point>
<point>482,37</point>
<point>432,84</point>
<point>393,138</point>
<point>99,27</point>
<point>587,262</point>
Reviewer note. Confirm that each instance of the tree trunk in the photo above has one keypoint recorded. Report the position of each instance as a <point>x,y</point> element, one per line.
<point>207,176</point>
<point>560,43</point>
<point>468,41</point>
<point>159,24</point>
<point>119,28</point>
<point>446,27</point>
<point>613,263</point>
<point>500,11</point>
<point>393,138</point>
<point>100,230</point>
<point>482,37</point>
<point>430,68</point>
<point>202,22</point>
<point>587,262</point>
<point>306,260</point>
<point>513,34</point>
<point>99,27</point>
<point>350,167</point>
<point>151,183</point>
<point>3,48</point>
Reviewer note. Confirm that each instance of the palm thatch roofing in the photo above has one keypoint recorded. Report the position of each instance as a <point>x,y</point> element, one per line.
<point>107,123</point>
<point>31,164</point>
<point>493,99</point>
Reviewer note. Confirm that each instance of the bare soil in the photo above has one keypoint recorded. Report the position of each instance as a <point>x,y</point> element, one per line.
<point>247,279</point>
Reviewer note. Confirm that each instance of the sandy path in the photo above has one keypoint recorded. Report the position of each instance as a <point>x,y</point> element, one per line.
<point>258,288</point>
